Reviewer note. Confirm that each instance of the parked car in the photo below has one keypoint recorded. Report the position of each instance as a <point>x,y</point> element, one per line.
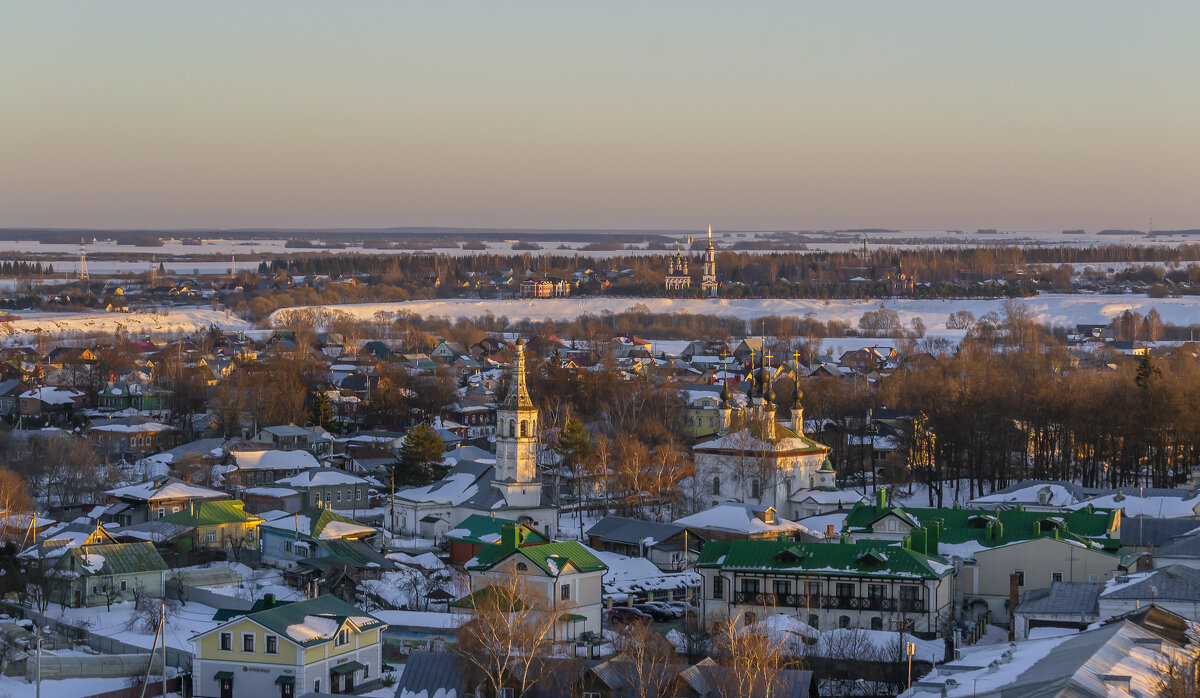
<point>683,607</point>
<point>626,614</point>
<point>654,612</point>
<point>666,608</point>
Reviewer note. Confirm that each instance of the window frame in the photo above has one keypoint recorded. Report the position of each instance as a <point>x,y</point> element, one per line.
<point>271,644</point>
<point>225,642</point>
<point>252,637</point>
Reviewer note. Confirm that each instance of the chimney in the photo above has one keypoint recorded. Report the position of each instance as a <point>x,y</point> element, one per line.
<point>509,537</point>
<point>268,601</point>
<point>880,499</point>
<point>919,537</point>
<point>932,537</point>
<point>1014,590</point>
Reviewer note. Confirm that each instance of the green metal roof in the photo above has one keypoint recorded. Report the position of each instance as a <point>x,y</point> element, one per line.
<point>476,526</point>
<point>225,511</point>
<point>119,558</point>
<point>278,619</point>
<point>862,559</point>
<point>966,525</point>
<point>551,557</point>
<point>347,668</point>
<point>317,519</point>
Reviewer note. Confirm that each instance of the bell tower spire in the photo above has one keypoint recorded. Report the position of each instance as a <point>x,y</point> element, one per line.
<point>516,441</point>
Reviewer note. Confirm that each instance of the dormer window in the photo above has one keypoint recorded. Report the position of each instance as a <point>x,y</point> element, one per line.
<point>522,566</point>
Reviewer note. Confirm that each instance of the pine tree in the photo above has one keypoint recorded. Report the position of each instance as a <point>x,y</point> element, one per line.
<point>322,411</point>
<point>421,460</point>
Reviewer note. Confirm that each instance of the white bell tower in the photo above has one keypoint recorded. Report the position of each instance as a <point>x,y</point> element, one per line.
<point>516,442</point>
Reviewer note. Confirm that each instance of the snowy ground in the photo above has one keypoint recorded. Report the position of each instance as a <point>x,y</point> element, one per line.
<point>173,320</point>
<point>1055,309</point>
<point>189,619</point>
<point>13,687</point>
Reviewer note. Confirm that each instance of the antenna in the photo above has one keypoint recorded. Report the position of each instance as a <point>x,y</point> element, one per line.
<point>83,272</point>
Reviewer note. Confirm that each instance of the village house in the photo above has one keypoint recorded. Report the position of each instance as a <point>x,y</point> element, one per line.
<point>869,584</point>
<point>154,499</point>
<point>564,576</point>
<point>285,650</point>
<point>218,525</point>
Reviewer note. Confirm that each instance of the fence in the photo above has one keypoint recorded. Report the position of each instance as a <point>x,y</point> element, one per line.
<point>104,645</point>
<point>206,597</point>
<point>174,685</point>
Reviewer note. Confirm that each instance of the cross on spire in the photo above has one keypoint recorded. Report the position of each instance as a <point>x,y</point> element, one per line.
<point>767,358</point>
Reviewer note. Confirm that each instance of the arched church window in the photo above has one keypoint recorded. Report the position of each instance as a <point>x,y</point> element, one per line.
<point>716,485</point>
<point>512,428</point>
<point>524,428</point>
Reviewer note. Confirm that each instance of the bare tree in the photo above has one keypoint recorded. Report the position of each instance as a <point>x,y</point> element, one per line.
<point>753,658</point>
<point>508,637</point>
<point>645,656</point>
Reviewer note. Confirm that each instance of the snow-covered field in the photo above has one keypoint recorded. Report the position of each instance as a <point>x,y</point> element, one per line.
<point>168,321</point>
<point>1055,309</point>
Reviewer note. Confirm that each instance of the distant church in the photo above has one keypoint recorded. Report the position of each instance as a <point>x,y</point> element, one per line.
<point>679,278</point>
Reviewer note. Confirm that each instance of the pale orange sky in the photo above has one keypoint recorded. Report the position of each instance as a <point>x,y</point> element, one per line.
<point>919,115</point>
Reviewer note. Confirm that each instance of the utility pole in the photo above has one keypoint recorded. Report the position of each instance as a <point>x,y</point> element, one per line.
<point>910,649</point>
<point>162,623</point>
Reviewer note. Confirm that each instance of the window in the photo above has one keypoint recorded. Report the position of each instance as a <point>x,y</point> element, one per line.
<point>750,586</point>
<point>1093,577</point>
<point>845,590</point>
<point>718,587</point>
<point>124,585</point>
<point>301,551</point>
<point>226,642</point>
<point>814,588</point>
<point>566,592</point>
<point>1056,576</point>
<point>716,486</point>
<point>876,623</point>
<point>287,546</point>
<point>272,644</point>
<point>210,536</point>
<point>781,587</point>
<point>843,621</point>
<point>876,591</point>
<point>339,495</point>
<point>524,428</point>
<point>358,494</point>
<point>755,489</point>
<point>343,638</point>
<point>814,621</point>
<point>522,566</point>
<point>162,511</point>
<point>247,642</point>
<point>1020,577</point>
<point>512,428</point>
<point>174,509</point>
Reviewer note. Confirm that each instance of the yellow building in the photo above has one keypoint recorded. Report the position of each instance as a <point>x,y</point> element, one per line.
<point>283,650</point>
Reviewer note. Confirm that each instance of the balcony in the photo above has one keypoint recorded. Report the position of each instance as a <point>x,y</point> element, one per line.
<point>847,603</point>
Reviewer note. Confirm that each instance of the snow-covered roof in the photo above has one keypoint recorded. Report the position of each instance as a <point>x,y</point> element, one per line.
<point>52,395</point>
<point>169,489</point>
<point>323,477</point>
<point>274,460</point>
<point>737,518</point>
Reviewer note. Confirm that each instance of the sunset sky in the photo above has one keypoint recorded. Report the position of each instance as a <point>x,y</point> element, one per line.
<point>788,115</point>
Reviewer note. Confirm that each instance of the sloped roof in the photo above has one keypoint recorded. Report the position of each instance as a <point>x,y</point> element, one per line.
<point>1070,598</point>
<point>1171,583</point>
<point>485,530</point>
<point>274,460</point>
<point>623,529</point>
<point>835,558</point>
<point>282,617</point>
<point>311,522</point>
<point>552,558</point>
<point>115,558</point>
<point>213,513</point>
<point>958,525</point>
